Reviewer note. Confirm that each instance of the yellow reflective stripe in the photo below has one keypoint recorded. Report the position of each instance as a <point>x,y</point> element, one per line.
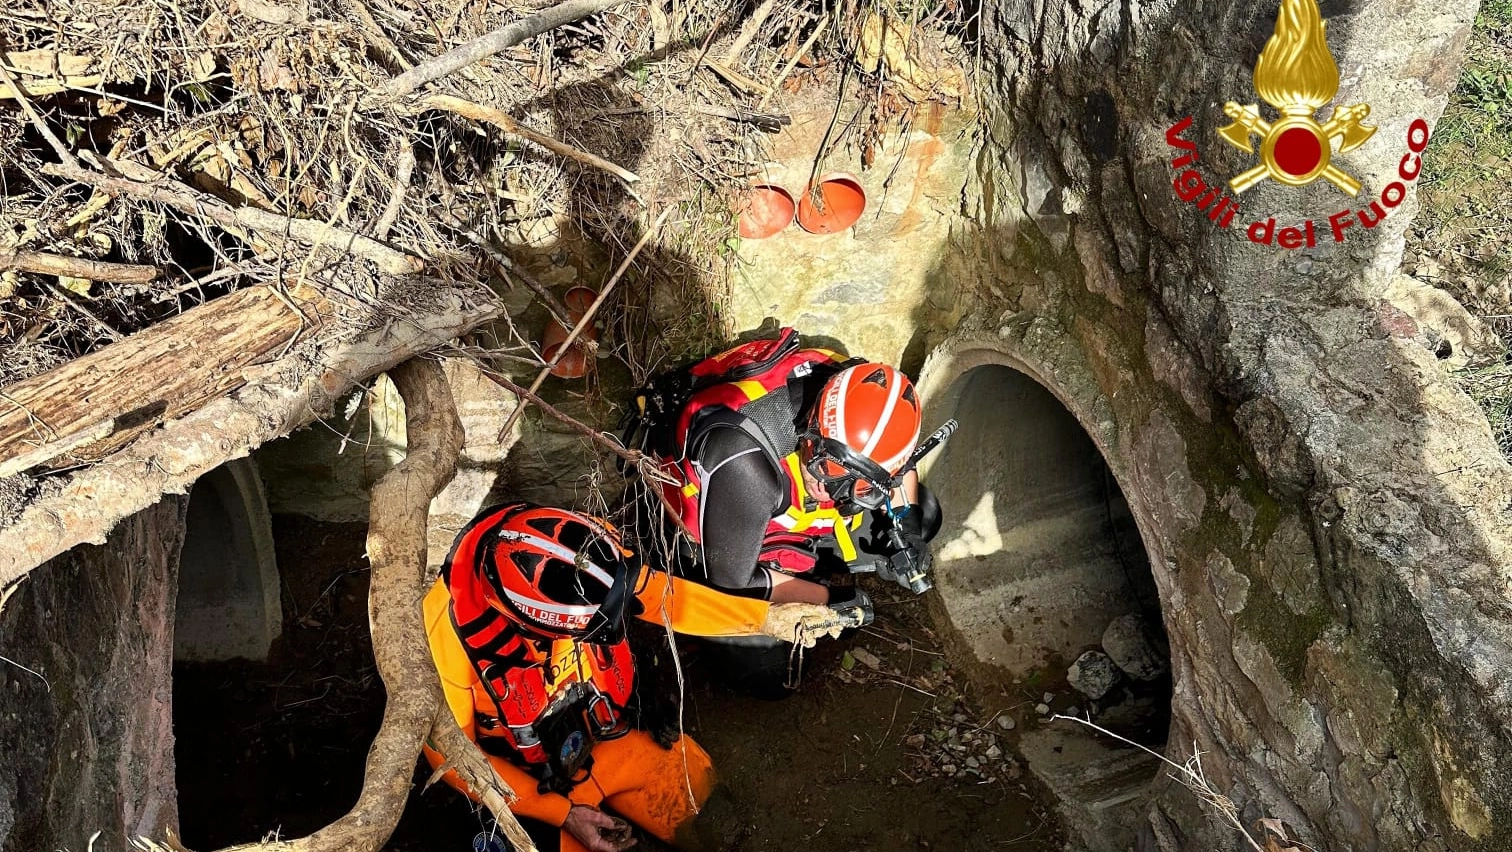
<point>568,663</point>
<point>752,390</point>
<point>792,465</point>
<point>690,489</point>
<point>843,536</point>
<point>796,519</point>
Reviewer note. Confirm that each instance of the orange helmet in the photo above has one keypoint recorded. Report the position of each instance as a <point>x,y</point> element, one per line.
<point>557,574</point>
<point>861,432</point>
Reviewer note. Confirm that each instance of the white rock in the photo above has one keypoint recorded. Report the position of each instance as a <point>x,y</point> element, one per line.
<point>1042,709</point>
<point>1093,674</point>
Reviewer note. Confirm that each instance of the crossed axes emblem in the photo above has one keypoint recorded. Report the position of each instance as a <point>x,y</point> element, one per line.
<point>1296,149</point>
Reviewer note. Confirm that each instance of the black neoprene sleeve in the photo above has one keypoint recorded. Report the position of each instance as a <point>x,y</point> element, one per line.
<point>741,494</point>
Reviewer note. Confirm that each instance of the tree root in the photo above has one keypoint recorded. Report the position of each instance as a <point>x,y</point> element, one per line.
<point>414,709</point>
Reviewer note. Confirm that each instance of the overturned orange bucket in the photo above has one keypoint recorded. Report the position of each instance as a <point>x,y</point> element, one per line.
<point>764,210</point>
<point>574,364</point>
<point>841,200</point>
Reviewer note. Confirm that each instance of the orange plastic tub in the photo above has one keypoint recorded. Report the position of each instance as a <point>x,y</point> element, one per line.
<point>841,202</point>
<point>574,364</point>
<point>764,210</point>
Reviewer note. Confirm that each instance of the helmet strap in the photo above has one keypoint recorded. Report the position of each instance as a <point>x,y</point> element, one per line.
<point>610,619</point>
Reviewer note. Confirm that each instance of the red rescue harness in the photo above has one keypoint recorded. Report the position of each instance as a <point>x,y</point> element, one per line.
<point>760,404</point>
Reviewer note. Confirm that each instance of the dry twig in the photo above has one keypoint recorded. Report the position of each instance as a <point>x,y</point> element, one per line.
<point>67,298</point>
<point>643,464</point>
<point>1189,775</point>
<point>587,319</point>
<point>793,63</point>
<point>505,122</point>
<point>138,181</point>
<point>44,263</point>
<point>512,270</point>
<point>739,80</point>
<point>495,42</point>
<point>404,169</point>
<point>748,32</point>
<point>31,113</point>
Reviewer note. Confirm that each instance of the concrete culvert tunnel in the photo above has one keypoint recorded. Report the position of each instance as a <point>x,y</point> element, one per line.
<point>228,593</point>
<point>1045,579</point>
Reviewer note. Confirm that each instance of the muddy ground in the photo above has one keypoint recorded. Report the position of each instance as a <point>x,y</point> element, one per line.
<point>871,753</point>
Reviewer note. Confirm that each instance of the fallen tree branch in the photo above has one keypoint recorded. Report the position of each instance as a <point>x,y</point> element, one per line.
<point>763,121</point>
<point>491,43</point>
<point>156,374</point>
<point>138,181</point>
<point>505,122</point>
<point>463,755</point>
<point>747,32</point>
<point>587,319</point>
<point>275,399</point>
<point>396,549</point>
<point>396,544</point>
<point>511,269</point>
<point>404,169</point>
<point>644,464</point>
<point>43,263</point>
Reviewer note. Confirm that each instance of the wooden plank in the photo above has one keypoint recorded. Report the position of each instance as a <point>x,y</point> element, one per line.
<point>153,375</point>
<point>278,397</point>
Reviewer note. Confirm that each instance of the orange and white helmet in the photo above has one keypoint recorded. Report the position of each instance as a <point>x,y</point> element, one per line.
<point>862,431</point>
<point>557,574</point>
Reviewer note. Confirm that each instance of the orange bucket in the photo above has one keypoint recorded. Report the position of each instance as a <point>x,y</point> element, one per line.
<point>765,209</point>
<point>574,364</point>
<point>842,201</point>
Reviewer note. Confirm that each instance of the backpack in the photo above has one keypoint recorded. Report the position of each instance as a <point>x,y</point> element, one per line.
<point>650,423</point>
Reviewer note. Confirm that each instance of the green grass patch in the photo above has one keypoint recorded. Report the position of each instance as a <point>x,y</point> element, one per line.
<point>1468,172</point>
<point>1491,386</point>
<point>1465,224</point>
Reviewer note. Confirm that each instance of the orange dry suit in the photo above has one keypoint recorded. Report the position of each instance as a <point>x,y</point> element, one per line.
<point>508,692</point>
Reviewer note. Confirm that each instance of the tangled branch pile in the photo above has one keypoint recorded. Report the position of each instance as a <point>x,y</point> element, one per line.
<point>159,154</point>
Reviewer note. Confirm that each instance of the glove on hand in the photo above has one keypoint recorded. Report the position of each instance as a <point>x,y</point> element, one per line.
<point>911,525</point>
<point>852,606</point>
<point>804,624</point>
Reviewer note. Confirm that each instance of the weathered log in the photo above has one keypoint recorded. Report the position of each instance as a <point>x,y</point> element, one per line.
<point>274,399</point>
<point>154,375</point>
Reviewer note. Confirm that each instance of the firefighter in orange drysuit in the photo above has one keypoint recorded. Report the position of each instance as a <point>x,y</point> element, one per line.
<point>526,627</point>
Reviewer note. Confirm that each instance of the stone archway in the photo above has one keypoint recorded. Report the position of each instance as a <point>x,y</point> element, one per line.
<point>1040,562</point>
<point>228,592</point>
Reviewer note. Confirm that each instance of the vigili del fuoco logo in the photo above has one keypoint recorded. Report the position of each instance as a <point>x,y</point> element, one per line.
<point>1297,76</point>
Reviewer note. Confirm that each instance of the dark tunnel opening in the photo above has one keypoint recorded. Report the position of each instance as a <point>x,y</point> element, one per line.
<point>1042,565</point>
<point>276,696</point>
